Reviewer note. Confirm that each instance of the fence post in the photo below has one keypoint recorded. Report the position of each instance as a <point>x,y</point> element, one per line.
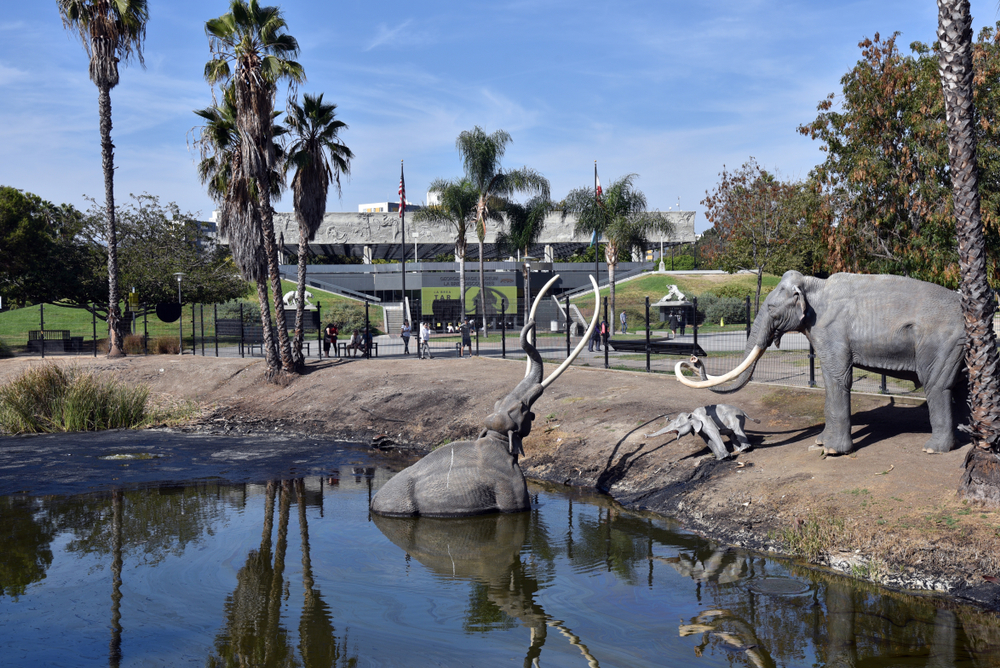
<point>503,328</point>
<point>883,389</point>
<point>194,335</point>
<point>475,323</point>
<point>567,327</point>
<point>748,317</point>
<point>145,330</point>
<point>41,320</point>
<point>215,326</point>
<point>606,339</point>
<point>202,330</point>
<point>320,335</point>
<point>93,317</point>
<point>647,332</point>
<point>368,352</point>
<point>694,302</point>
<point>241,331</point>
<point>812,366</point>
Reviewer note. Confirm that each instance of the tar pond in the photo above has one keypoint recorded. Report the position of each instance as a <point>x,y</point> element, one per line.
<point>294,571</point>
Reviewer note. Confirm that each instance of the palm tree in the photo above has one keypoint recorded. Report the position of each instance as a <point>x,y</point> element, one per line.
<point>458,206</point>
<point>315,134</point>
<point>481,155</point>
<point>982,473</point>
<point>254,40</point>
<point>112,32</point>
<point>524,225</point>
<point>219,143</point>
<point>620,216</point>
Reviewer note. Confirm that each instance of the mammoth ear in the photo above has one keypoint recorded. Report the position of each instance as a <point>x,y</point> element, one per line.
<point>800,304</point>
<point>696,422</point>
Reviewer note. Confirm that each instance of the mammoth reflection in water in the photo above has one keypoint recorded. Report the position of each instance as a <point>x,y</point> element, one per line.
<point>487,551</point>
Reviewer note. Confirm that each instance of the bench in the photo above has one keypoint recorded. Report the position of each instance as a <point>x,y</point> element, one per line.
<point>657,347</point>
<point>344,346</point>
<point>56,340</point>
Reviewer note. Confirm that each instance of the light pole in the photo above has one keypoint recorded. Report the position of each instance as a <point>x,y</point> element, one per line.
<point>180,319</point>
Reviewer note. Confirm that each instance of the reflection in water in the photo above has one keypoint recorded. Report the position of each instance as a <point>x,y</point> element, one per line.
<point>212,571</point>
<point>487,551</point>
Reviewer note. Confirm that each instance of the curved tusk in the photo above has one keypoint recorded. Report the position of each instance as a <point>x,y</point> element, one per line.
<point>531,317</point>
<point>586,337</point>
<point>712,381</point>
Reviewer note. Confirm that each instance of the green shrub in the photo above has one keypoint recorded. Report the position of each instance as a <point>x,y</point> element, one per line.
<point>348,317</point>
<point>5,350</point>
<point>49,399</point>
<point>738,291</point>
<point>231,311</point>
<point>732,311</point>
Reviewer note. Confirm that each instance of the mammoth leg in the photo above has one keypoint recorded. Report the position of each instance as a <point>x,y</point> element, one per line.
<point>710,433</point>
<point>938,388</point>
<point>836,436</point>
<point>740,435</point>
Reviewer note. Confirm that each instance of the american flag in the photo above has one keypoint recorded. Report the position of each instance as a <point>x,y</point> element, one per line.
<point>402,191</point>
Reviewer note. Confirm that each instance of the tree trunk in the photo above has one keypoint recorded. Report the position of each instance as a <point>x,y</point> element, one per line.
<point>267,331</point>
<point>611,257</point>
<point>300,302</point>
<point>460,256</point>
<point>482,287</point>
<point>271,248</point>
<point>116,336</point>
<point>982,476</point>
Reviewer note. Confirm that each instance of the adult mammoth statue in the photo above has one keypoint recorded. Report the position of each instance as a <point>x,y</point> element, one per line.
<point>481,476</point>
<point>898,326</point>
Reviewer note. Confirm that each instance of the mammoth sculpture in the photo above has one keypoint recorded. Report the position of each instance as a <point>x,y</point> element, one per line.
<point>712,423</point>
<point>481,476</point>
<point>898,326</point>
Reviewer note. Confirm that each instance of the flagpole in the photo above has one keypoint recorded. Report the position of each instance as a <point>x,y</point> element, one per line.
<point>597,238</point>
<point>402,234</point>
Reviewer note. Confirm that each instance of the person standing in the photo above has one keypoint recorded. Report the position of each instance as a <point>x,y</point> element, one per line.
<point>673,324</point>
<point>404,333</point>
<point>605,331</point>
<point>624,323</point>
<point>330,338</point>
<point>595,339</point>
<point>425,341</point>
<point>466,338</point>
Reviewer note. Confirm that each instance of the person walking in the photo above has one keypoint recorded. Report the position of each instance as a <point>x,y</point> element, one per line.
<point>404,333</point>
<point>605,331</point>
<point>624,323</point>
<point>673,324</point>
<point>466,338</point>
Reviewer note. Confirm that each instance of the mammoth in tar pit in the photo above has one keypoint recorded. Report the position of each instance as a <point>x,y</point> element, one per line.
<point>898,326</point>
<point>481,476</point>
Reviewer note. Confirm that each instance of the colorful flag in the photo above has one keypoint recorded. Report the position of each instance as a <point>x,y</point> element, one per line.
<point>402,191</point>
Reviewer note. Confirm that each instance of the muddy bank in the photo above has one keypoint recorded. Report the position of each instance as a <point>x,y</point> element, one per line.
<point>887,513</point>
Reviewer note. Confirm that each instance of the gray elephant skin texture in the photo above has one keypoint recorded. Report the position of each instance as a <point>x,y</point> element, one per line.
<point>712,423</point>
<point>898,326</point>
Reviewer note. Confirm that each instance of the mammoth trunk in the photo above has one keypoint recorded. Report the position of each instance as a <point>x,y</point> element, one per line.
<point>761,336</point>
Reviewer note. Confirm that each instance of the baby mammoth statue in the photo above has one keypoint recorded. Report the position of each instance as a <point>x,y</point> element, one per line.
<point>711,423</point>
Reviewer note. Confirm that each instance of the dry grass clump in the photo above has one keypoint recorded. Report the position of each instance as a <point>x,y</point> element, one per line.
<point>164,345</point>
<point>49,399</point>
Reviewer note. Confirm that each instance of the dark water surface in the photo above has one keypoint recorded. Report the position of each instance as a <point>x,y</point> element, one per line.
<point>296,573</point>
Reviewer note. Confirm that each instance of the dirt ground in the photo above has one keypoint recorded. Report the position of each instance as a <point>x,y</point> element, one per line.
<point>888,512</point>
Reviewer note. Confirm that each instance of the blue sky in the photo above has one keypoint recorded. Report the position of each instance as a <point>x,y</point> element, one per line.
<point>669,90</point>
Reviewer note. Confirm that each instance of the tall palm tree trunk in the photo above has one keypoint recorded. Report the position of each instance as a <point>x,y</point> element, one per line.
<point>460,256</point>
<point>300,303</point>
<point>982,473</point>
<point>271,248</point>
<point>267,329</point>
<point>115,330</point>
<point>482,287</point>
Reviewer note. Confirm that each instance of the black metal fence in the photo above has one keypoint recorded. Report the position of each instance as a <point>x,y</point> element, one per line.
<point>44,331</point>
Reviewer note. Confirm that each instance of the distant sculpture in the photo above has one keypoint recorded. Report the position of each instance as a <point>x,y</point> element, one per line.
<point>291,299</point>
<point>673,292</point>
<point>481,476</point>
<point>898,326</point>
<point>712,423</point>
